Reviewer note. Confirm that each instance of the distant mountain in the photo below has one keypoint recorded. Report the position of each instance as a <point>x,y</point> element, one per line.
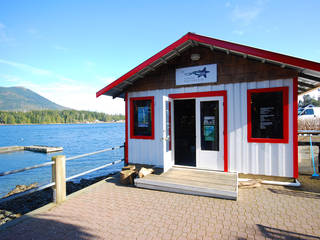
<point>23,99</point>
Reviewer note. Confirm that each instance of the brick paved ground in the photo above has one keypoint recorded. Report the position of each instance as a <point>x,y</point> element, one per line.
<point>111,211</point>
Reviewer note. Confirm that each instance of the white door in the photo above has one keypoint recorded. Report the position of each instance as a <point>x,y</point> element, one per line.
<point>166,136</point>
<point>209,133</point>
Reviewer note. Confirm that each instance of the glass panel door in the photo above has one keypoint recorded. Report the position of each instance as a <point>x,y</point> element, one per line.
<point>209,133</point>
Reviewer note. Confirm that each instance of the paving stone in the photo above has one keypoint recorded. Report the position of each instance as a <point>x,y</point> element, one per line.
<point>112,211</point>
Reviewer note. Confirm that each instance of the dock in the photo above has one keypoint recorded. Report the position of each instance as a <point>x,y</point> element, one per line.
<point>11,149</point>
<point>194,182</point>
<point>43,149</point>
<point>34,148</point>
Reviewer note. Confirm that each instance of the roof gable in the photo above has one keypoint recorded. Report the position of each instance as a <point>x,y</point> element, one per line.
<point>310,71</point>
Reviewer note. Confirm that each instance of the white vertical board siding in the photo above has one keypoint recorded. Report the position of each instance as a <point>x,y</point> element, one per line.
<point>147,151</point>
<point>256,158</point>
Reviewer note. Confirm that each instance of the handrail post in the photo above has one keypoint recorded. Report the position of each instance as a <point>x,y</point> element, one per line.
<point>59,177</point>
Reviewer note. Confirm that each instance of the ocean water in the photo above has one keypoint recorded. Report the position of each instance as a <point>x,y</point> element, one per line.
<point>74,138</point>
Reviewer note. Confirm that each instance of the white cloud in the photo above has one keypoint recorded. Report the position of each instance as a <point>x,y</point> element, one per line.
<point>79,97</point>
<point>89,64</point>
<point>60,48</point>
<point>66,91</point>
<point>26,67</point>
<point>238,32</point>
<point>245,15</point>
<point>8,78</point>
<point>3,34</point>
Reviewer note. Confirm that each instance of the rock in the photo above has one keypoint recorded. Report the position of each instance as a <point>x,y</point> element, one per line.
<point>145,171</point>
<point>21,188</point>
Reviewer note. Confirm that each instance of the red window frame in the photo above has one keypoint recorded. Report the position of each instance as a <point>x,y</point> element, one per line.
<point>132,136</point>
<point>285,120</point>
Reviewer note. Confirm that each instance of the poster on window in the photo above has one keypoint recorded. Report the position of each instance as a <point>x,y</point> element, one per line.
<point>209,128</point>
<point>209,133</point>
<point>143,117</point>
<point>267,115</point>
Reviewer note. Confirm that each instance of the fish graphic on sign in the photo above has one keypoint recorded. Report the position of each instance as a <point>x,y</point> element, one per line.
<point>199,73</point>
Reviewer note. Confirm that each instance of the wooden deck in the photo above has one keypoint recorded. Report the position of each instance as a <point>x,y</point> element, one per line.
<point>193,181</point>
<point>35,148</point>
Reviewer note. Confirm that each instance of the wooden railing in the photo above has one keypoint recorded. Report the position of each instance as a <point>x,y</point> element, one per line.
<point>59,178</point>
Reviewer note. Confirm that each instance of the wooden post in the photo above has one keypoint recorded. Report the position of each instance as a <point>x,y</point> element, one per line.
<point>59,177</point>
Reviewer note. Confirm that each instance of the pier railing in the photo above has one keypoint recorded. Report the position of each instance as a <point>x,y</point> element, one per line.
<point>59,178</point>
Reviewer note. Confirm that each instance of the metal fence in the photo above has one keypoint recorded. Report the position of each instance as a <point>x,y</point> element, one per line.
<point>58,175</point>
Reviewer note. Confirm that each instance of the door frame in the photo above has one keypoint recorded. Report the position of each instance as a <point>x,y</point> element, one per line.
<point>222,93</point>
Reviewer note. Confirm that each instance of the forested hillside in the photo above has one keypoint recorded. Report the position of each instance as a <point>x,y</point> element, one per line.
<point>23,99</point>
<point>55,116</point>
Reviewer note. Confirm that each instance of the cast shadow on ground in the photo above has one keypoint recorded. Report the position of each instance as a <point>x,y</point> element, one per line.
<point>38,228</point>
<point>295,193</point>
<point>276,233</point>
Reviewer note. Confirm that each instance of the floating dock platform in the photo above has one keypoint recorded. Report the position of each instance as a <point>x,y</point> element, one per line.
<point>43,149</point>
<point>35,148</point>
<point>11,149</point>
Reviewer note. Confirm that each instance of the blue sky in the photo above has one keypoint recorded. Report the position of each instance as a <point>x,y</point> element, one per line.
<point>68,50</point>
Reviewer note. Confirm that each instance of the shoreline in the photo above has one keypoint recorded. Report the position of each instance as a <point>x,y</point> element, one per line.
<point>16,208</point>
<point>31,124</point>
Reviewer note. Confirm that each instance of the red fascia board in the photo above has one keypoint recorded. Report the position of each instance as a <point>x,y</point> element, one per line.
<point>277,57</point>
<point>144,64</point>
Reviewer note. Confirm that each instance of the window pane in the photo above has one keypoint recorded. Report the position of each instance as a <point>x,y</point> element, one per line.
<point>142,118</point>
<point>209,125</point>
<point>267,115</point>
<point>168,127</point>
<point>309,112</point>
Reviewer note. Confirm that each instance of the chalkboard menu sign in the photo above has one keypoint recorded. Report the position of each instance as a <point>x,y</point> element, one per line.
<point>267,114</point>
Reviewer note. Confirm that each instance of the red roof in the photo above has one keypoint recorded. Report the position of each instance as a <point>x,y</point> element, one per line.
<point>306,67</point>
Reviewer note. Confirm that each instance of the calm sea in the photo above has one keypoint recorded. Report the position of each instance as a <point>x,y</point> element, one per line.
<point>74,138</point>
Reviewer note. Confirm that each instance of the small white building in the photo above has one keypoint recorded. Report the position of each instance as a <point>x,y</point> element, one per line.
<point>211,104</point>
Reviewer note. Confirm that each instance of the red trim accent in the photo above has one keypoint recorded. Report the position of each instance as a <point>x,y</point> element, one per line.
<point>295,128</point>
<point>126,128</point>
<point>170,140</point>
<point>152,118</point>
<point>144,64</point>
<point>285,138</point>
<point>222,93</point>
<point>298,62</point>
<point>197,94</point>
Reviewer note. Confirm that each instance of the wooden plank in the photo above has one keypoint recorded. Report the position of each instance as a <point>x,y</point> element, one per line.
<point>43,149</point>
<point>185,189</point>
<point>205,178</point>
<point>202,174</point>
<point>201,180</point>
<point>11,149</point>
<point>189,182</point>
<point>315,138</point>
